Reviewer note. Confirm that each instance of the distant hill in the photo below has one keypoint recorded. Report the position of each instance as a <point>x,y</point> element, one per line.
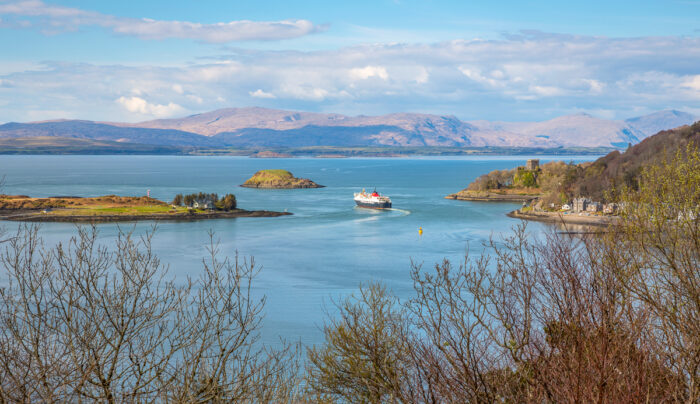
<point>662,120</point>
<point>262,127</point>
<point>99,131</point>
<point>617,168</point>
<point>571,130</point>
<point>234,119</point>
<point>401,129</point>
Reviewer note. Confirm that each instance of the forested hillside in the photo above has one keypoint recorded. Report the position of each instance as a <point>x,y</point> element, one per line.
<point>557,182</point>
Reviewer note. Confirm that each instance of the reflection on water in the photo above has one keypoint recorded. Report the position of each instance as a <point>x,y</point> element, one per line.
<point>580,229</point>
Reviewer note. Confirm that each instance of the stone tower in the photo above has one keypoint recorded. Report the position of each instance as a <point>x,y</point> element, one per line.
<point>532,164</point>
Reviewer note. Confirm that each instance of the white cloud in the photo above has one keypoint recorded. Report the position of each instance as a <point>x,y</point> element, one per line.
<point>69,19</point>
<point>304,92</point>
<point>213,33</point>
<point>363,73</point>
<point>546,91</point>
<point>595,86</point>
<point>495,79</point>
<point>530,76</point>
<point>693,83</point>
<point>39,8</point>
<point>140,106</point>
<point>195,98</point>
<point>261,94</point>
<point>422,76</point>
<point>218,71</point>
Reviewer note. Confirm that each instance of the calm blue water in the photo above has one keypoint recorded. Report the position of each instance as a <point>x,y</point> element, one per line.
<point>322,252</point>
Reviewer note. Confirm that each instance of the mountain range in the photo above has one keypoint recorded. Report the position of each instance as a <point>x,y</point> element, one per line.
<point>255,127</point>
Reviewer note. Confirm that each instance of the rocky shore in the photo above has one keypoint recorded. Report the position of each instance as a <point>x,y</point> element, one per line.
<point>39,216</point>
<point>558,217</point>
<point>490,197</point>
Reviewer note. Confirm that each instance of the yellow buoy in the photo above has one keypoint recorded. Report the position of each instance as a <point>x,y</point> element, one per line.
<point>420,231</point>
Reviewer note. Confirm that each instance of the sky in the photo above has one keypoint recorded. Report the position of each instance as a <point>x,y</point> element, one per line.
<point>500,60</point>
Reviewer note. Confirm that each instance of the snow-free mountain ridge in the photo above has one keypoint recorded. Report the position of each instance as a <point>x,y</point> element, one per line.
<point>263,127</point>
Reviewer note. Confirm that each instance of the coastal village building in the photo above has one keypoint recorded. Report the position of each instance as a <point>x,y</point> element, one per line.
<point>610,208</point>
<point>532,164</point>
<point>209,205</point>
<point>580,204</point>
<point>586,205</point>
<point>594,207</point>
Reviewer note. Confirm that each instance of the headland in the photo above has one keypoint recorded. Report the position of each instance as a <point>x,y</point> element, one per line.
<point>112,208</point>
<point>564,217</point>
<point>495,196</point>
<point>545,192</point>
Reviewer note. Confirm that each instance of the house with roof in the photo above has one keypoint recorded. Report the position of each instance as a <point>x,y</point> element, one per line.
<point>594,207</point>
<point>580,204</point>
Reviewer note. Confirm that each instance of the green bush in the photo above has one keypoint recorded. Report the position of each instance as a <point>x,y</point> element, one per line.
<point>228,202</point>
<point>526,178</point>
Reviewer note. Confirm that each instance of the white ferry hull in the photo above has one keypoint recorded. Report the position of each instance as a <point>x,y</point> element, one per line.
<point>373,205</point>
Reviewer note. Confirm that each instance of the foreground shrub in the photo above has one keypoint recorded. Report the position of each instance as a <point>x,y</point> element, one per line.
<point>82,323</point>
<point>608,318</point>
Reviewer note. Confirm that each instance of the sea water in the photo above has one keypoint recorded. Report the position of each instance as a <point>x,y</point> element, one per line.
<point>321,253</point>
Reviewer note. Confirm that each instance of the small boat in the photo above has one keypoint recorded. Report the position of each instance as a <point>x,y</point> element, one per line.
<point>372,201</point>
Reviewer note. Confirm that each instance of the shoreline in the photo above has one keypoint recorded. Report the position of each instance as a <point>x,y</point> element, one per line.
<point>556,217</point>
<point>37,216</point>
<point>490,197</point>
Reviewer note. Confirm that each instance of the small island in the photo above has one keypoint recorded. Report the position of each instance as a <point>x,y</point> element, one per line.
<point>113,208</point>
<point>278,179</point>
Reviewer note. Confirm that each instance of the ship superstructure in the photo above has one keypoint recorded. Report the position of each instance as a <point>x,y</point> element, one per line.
<point>372,200</point>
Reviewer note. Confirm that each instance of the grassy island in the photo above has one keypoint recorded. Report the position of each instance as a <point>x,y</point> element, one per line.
<point>113,208</point>
<point>278,179</point>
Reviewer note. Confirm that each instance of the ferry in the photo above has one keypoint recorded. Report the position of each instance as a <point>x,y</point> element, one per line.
<point>373,200</point>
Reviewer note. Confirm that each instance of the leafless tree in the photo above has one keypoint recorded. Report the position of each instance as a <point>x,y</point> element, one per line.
<point>539,320</point>
<point>454,356</point>
<point>82,323</point>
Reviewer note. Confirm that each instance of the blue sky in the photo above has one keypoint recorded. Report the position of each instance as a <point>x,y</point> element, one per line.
<point>504,60</point>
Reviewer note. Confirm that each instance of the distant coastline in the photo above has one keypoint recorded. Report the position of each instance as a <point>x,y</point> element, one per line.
<point>69,146</point>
